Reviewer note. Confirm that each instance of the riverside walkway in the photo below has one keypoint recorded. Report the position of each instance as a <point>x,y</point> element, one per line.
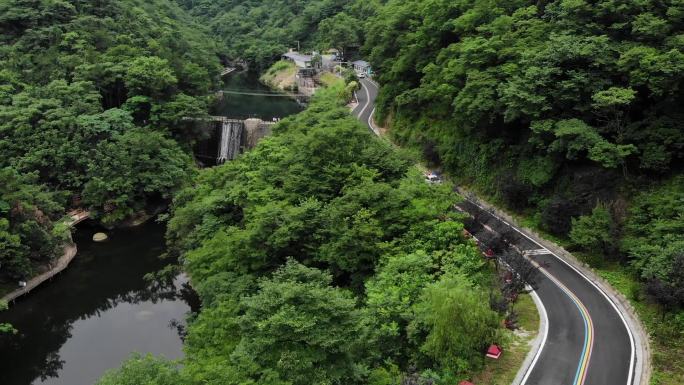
<point>56,267</point>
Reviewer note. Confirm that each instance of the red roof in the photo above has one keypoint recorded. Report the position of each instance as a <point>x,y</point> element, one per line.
<point>494,351</point>
<point>465,383</point>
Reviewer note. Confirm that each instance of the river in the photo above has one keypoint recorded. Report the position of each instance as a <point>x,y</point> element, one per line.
<point>92,316</point>
<point>97,312</point>
<point>253,106</point>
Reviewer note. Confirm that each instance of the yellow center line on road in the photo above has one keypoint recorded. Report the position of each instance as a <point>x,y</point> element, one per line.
<point>585,357</point>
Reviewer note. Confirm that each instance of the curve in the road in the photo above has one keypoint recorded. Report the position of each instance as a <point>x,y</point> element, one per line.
<point>366,103</point>
<point>590,345</point>
<point>581,374</point>
<point>613,365</point>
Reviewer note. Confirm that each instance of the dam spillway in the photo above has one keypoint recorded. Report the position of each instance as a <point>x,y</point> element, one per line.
<point>225,138</point>
<point>230,143</point>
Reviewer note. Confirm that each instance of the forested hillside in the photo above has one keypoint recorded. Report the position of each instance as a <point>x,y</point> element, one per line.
<point>259,31</point>
<point>558,106</point>
<point>91,97</point>
<point>323,257</point>
<point>569,112</point>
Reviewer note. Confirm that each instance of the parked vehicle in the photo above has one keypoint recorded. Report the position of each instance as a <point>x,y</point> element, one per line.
<point>433,178</point>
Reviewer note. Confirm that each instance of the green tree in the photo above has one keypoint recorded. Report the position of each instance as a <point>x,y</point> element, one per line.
<point>340,32</point>
<point>150,76</point>
<point>458,322</point>
<point>651,240</point>
<point>27,216</point>
<point>391,296</point>
<point>13,254</point>
<point>594,233</point>
<point>136,167</point>
<point>146,370</point>
<point>5,327</point>
<point>300,327</point>
<point>171,114</point>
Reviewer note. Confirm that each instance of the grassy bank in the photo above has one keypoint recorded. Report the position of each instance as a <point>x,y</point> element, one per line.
<point>328,79</point>
<point>667,342</point>
<point>281,76</point>
<point>504,370</point>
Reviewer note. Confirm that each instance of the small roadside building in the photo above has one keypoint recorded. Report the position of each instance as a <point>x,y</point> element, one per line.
<point>300,60</point>
<point>362,66</point>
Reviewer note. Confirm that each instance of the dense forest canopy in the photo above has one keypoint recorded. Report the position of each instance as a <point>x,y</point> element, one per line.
<point>83,87</point>
<point>259,32</point>
<point>559,107</point>
<point>323,257</point>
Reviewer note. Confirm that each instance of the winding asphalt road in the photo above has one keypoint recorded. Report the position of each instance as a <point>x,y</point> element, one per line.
<point>366,108</point>
<point>587,340</point>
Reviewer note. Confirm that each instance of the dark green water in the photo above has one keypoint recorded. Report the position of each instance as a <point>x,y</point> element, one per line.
<point>92,316</point>
<point>245,106</point>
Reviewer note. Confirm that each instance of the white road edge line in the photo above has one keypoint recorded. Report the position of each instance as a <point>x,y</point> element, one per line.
<point>540,306</point>
<point>373,83</point>
<point>526,368</point>
<point>612,303</point>
<point>629,331</point>
<point>368,101</point>
<point>370,122</point>
<point>545,323</point>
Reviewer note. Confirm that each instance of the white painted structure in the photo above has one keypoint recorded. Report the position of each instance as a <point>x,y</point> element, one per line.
<point>300,60</point>
<point>362,67</point>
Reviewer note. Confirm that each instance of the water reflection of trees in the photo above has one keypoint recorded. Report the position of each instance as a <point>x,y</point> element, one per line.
<point>37,354</point>
<point>51,366</point>
<point>45,323</point>
<point>154,292</point>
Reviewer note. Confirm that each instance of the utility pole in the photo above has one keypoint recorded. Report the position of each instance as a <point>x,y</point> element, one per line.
<point>298,48</point>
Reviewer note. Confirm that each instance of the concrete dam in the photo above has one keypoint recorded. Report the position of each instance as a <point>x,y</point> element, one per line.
<point>225,138</point>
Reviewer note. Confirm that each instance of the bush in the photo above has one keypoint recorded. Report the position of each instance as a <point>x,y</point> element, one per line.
<point>654,244</point>
<point>348,91</point>
<point>669,291</point>
<point>350,76</point>
<point>536,171</point>
<point>146,370</point>
<point>593,232</point>
<point>279,66</point>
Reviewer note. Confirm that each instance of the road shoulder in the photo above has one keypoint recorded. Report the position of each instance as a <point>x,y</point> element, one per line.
<point>537,344</point>
<point>642,370</point>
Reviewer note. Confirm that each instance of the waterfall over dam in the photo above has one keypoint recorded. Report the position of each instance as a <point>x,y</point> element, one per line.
<point>231,136</point>
<point>227,138</point>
